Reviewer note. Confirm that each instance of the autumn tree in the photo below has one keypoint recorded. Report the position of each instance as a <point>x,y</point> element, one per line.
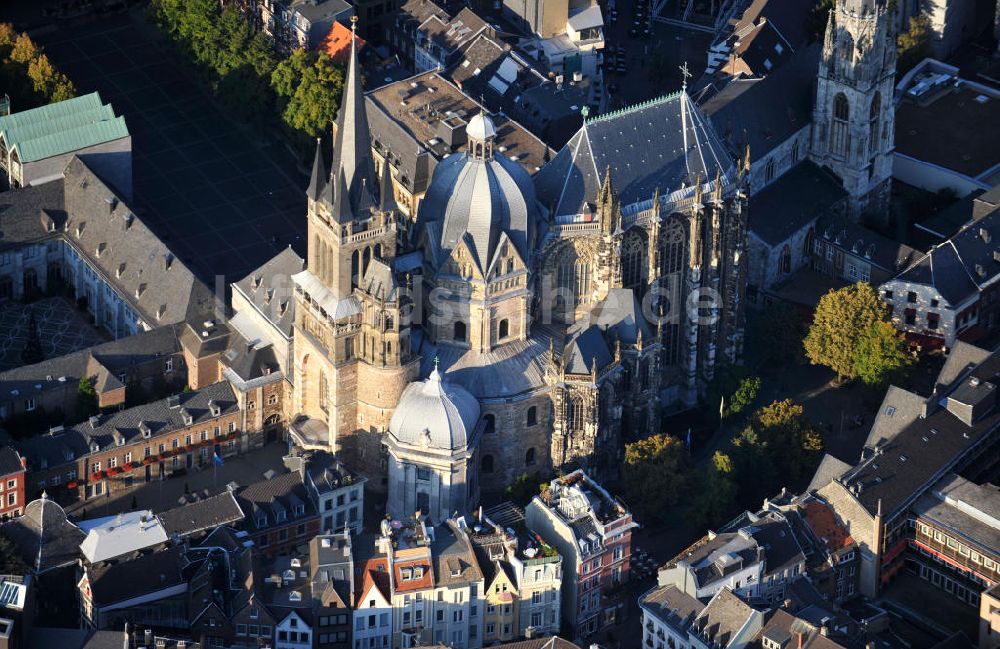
<point>913,45</point>
<point>841,319</point>
<point>655,474</point>
<point>881,356</point>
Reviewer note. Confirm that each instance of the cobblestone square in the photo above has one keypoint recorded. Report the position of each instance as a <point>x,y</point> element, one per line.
<point>61,327</point>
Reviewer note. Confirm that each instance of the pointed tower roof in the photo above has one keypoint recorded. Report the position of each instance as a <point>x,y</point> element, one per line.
<point>317,179</point>
<point>385,192</point>
<point>352,156</point>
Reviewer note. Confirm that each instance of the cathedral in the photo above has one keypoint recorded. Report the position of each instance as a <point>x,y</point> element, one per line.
<point>519,323</point>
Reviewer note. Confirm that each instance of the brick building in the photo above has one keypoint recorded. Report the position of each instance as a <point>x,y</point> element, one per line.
<point>12,473</point>
<point>280,514</point>
<point>140,444</point>
<point>593,532</point>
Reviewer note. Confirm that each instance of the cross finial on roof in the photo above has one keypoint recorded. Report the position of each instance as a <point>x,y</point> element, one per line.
<point>354,23</point>
<point>437,361</point>
<point>685,75</point>
<point>585,111</point>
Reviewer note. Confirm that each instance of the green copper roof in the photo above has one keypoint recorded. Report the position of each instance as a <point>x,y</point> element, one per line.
<point>62,127</point>
<point>51,111</point>
<point>73,139</point>
<point>33,130</point>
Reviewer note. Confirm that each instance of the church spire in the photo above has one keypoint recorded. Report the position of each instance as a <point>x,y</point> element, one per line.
<point>386,194</point>
<point>317,179</point>
<point>352,157</point>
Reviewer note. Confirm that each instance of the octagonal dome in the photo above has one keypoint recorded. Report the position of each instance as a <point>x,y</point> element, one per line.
<point>435,414</point>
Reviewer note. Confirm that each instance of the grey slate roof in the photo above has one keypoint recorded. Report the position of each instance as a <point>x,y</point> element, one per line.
<point>959,267</point>
<point>829,469</point>
<point>117,356</point>
<point>619,315</point>
<point>647,146</point>
<point>453,557</point>
<point>921,453</point>
<point>10,461</point>
<point>585,349</point>
<point>673,606</point>
<point>511,369</point>
<point>480,201</point>
<point>116,582</point>
<point>723,617</point>
<point>962,358</point>
<point>899,409</point>
<point>86,213</point>
<point>352,169</point>
<point>201,515</point>
<point>44,536</point>
<point>435,413</point>
<point>74,441</point>
<point>793,201</point>
<point>767,111</point>
<point>280,493</point>
<point>887,254</point>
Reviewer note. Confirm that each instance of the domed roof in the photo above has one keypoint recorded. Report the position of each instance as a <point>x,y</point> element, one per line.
<point>435,414</point>
<point>480,127</point>
<point>482,197</point>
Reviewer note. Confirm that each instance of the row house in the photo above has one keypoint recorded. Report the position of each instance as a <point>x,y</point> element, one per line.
<point>523,570</point>
<point>672,619</point>
<point>593,533</point>
<point>295,24</point>
<point>338,492</point>
<point>280,514</point>
<point>951,293</point>
<point>141,444</point>
<point>373,610</point>
<point>331,562</point>
<point>755,556</point>
<point>12,472</point>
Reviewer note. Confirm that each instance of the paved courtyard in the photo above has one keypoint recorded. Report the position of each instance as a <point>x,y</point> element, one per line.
<point>223,198</point>
<point>62,329</point>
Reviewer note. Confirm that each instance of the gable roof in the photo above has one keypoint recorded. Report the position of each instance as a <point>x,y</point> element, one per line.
<point>723,617</point>
<point>269,289</point>
<point>662,144</point>
<point>792,202</point>
<point>204,514</point>
<point>115,582</point>
<point>764,113</point>
<point>962,265</point>
<point>111,537</point>
<point>899,409</point>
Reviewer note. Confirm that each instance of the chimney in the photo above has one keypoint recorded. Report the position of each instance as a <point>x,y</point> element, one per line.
<point>147,638</point>
<point>168,259</point>
<point>800,639</point>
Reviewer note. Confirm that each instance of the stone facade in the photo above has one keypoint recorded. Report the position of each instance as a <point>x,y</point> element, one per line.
<point>853,118</point>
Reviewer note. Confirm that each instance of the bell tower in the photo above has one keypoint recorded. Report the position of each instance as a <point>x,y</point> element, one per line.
<point>853,118</point>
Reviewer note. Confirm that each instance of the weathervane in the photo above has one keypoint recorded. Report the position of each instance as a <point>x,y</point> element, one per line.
<point>685,74</point>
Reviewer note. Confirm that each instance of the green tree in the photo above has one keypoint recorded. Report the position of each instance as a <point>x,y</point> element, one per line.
<point>655,474</point>
<point>789,438</point>
<point>841,319</point>
<point>523,489</point>
<point>86,398</point>
<point>881,356</point>
<point>308,86</point>
<point>913,45</point>
<point>717,497</point>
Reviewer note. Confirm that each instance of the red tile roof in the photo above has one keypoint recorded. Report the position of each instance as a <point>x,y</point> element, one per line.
<point>824,525</point>
<point>338,42</point>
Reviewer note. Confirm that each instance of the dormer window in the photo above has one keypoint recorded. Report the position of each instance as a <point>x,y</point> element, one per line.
<point>146,431</point>
<point>418,572</point>
<point>295,596</point>
<point>300,510</point>
<point>214,408</point>
<point>186,417</point>
<point>406,574</point>
<point>296,563</point>
<point>262,521</point>
<point>281,517</point>
<point>94,447</point>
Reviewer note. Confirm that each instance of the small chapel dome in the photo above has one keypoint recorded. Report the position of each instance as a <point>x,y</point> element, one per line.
<point>435,414</point>
<point>480,127</point>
